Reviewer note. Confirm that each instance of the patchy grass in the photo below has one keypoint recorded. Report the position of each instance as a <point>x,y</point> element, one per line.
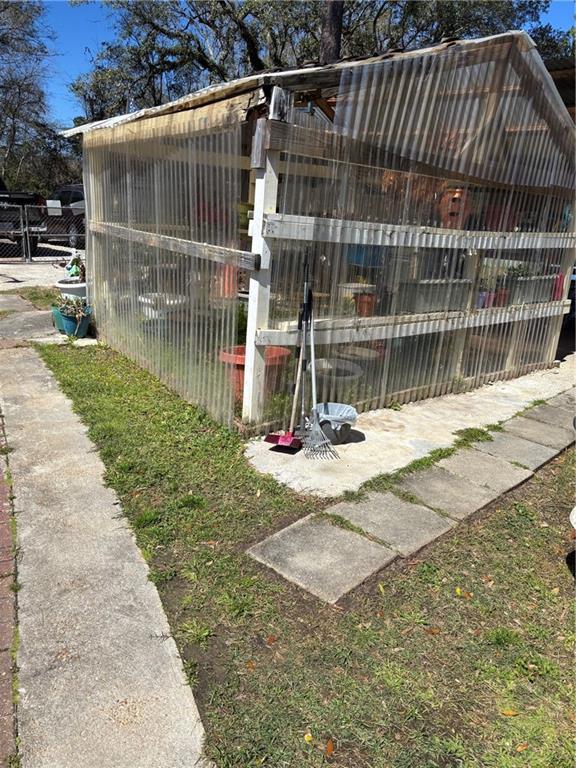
<point>39,296</point>
<point>5,313</point>
<point>460,657</point>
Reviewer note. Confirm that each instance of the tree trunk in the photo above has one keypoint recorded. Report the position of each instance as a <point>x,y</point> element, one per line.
<point>331,35</point>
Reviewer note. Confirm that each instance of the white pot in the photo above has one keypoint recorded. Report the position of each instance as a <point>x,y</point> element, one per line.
<point>71,287</point>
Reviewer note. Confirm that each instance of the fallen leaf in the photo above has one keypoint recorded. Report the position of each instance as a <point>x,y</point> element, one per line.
<point>308,737</point>
<point>250,665</point>
<point>509,713</point>
<point>258,492</point>
<point>522,747</point>
<point>458,592</point>
<point>271,639</point>
<point>381,587</point>
<point>555,591</point>
<point>468,595</point>
<point>329,750</point>
<point>432,630</point>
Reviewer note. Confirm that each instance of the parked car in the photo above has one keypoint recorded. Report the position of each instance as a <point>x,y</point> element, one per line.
<point>12,217</point>
<point>68,218</point>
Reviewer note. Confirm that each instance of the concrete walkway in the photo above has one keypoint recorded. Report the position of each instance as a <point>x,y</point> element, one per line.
<point>393,439</point>
<point>100,678</point>
<point>329,560</point>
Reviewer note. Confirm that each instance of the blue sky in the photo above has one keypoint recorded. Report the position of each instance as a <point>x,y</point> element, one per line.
<point>81,29</point>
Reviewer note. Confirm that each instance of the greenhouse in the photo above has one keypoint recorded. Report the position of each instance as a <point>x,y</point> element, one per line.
<point>430,191</point>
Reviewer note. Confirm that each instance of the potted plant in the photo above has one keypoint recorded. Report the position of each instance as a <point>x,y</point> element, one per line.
<point>365,298</point>
<point>502,292</point>
<point>275,358</point>
<point>74,284</point>
<point>72,316</point>
<point>486,293</point>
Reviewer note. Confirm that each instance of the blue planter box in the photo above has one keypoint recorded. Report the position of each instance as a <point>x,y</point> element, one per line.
<point>69,325</point>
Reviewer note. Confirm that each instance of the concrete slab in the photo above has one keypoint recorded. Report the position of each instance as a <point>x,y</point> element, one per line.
<point>14,303</point>
<point>512,448</point>
<point>393,439</point>
<point>101,680</point>
<point>483,469</point>
<point>24,275</point>
<point>452,494</point>
<point>28,325</point>
<point>322,558</point>
<point>565,399</point>
<point>545,434</point>
<point>403,526</point>
<point>551,414</point>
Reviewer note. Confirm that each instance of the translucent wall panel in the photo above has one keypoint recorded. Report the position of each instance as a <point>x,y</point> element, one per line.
<point>433,195</point>
<point>164,212</point>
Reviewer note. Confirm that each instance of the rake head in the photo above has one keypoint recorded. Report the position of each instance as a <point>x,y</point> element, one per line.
<point>316,444</point>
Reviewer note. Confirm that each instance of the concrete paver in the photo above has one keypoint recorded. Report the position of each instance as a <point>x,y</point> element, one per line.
<point>403,526</point>
<point>512,448</point>
<point>322,558</point>
<point>454,495</point>
<point>551,414</point>
<point>28,325</point>
<point>565,400</point>
<point>538,432</point>
<point>483,469</point>
<point>393,439</point>
<point>14,303</point>
<point>22,275</point>
<point>101,680</point>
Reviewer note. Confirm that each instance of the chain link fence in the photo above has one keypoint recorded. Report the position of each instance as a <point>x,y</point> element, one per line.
<point>40,231</point>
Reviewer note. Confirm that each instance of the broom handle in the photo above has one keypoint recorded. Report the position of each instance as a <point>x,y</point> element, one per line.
<point>312,355</point>
<point>296,390</point>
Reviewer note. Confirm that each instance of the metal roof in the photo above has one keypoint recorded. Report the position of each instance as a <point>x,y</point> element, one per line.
<point>287,78</point>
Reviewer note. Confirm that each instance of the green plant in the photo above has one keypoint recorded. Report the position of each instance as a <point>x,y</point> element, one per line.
<point>518,270</point>
<point>73,307</point>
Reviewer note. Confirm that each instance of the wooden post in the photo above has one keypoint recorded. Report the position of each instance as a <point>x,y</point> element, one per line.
<point>265,196</point>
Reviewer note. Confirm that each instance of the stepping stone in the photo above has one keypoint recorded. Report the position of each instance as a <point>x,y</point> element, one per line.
<point>482,469</point>
<point>405,527</point>
<point>322,558</point>
<point>452,494</point>
<point>551,414</point>
<point>545,434</point>
<point>14,303</point>
<point>565,400</point>
<point>507,446</point>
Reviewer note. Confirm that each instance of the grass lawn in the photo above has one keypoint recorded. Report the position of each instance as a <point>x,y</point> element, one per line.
<point>38,296</point>
<point>460,657</point>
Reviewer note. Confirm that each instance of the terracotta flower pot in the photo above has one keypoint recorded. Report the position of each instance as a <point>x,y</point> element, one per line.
<point>558,289</point>
<point>501,297</point>
<point>455,208</point>
<point>274,357</point>
<point>365,303</point>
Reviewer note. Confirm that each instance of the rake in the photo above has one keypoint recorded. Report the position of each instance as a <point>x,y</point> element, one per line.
<point>316,444</point>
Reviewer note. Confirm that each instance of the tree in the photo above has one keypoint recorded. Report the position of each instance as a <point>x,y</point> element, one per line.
<point>166,49</point>
<point>32,155</point>
<point>332,14</point>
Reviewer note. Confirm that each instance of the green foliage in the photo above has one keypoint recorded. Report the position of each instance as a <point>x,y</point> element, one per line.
<point>405,671</point>
<point>39,297</point>
<point>163,50</point>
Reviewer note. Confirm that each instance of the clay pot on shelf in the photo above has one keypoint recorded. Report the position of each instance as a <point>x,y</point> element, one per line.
<point>275,359</point>
<point>365,304</point>
<point>501,297</point>
<point>455,208</point>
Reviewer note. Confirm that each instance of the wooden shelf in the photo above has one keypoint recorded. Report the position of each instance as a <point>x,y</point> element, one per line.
<point>317,229</point>
<point>365,329</point>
